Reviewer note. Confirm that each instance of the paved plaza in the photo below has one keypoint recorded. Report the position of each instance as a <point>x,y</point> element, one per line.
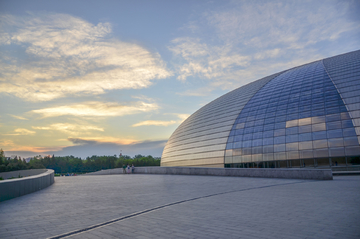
<point>173,206</point>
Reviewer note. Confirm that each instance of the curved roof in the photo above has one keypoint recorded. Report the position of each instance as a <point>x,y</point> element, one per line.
<point>276,118</point>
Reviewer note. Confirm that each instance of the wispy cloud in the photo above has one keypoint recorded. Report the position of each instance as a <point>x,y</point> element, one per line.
<point>162,122</point>
<point>18,117</point>
<point>182,116</point>
<point>97,109</point>
<point>203,60</point>
<point>105,139</point>
<point>72,129</point>
<point>247,40</point>
<point>22,131</point>
<point>155,123</point>
<point>71,56</point>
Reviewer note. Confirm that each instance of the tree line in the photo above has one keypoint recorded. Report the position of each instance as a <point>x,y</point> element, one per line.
<point>71,164</point>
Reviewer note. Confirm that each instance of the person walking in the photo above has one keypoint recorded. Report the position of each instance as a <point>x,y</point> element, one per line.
<point>124,169</point>
<point>128,168</point>
<point>132,168</point>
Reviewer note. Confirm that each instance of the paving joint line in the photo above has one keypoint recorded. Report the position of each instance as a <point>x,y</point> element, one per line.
<point>86,229</point>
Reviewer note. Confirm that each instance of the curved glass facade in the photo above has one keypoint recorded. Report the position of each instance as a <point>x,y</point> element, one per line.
<point>297,115</point>
<point>308,115</point>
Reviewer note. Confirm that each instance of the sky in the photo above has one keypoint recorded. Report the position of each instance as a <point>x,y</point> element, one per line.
<point>87,78</point>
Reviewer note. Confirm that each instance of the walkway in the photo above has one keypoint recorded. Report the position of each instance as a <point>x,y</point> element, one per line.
<point>171,206</point>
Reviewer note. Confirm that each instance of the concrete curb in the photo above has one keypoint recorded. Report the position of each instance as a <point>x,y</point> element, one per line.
<point>344,173</point>
<point>289,173</point>
<point>17,187</point>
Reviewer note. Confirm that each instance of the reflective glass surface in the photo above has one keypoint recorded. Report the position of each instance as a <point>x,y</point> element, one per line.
<point>298,114</point>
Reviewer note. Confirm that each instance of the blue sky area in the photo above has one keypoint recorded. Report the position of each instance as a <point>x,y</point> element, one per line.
<point>96,77</point>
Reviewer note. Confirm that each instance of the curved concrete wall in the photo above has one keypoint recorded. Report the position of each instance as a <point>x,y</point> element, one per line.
<point>32,181</point>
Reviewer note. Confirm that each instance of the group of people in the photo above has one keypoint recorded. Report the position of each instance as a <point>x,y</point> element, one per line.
<point>126,169</point>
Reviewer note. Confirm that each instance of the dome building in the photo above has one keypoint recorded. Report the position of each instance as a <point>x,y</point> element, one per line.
<point>305,116</point>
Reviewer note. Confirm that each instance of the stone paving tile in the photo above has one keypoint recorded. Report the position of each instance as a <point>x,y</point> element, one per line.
<point>312,209</point>
<point>272,208</point>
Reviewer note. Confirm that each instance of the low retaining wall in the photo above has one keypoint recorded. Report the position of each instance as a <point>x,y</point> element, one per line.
<point>290,173</point>
<point>33,180</point>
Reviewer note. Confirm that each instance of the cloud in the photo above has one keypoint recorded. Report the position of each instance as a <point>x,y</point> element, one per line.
<point>162,122</point>
<point>155,123</point>
<point>104,139</point>
<point>72,129</point>
<point>21,131</point>
<point>203,60</point>
<point>87,148</point>
<point>182,116</point>
<point>247,40</point>
<point>97,109</point>
<point>84,148</point>
<point>69,56</point>
<point>18,117</point>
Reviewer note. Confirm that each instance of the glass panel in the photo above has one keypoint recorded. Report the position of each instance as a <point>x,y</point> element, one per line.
<point>305,121</point>
<point>321,153</point>
<point>292,123</point>
<point>279,140</point>
<point>333,152</point>
<point>228,152</point>
<point>240,126</point>
<point>337,142</point>
<point>268,157</point>
<point>246,158</point>
<point>228,160</point>
<point>347,124</point>
<point>319,135</point>
<point>247,137</point>
<point>351,141</point>
<point>334,133</point>
<point>268,141</point>
<point>268,149</point>
<point>279,132</point>
<point>345,116</point>
<point>318,119</point>
<point>334,117</point>
<point>352,151</point>
<point>292,130</point>
<point>237,145</point>
<point>257,150</point>
<point>280,156</point>
<point>246,144</point>
<point>320,144</point>
<point>349,132</point>
<point>305,145</point>
<point>292,155</point>
<point>318,127</point>
<point>304,129</point>
<point>292,138</point>
<point>236,159</point>
<point>237,152</point>
<point>279,147</point>
<point>246,151</point>
<point>306,154</point>
<point>268,134</point>
<point>256,157</point>
<point>257,142</point>
<point>333,125</point>
<point>292,146</point>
